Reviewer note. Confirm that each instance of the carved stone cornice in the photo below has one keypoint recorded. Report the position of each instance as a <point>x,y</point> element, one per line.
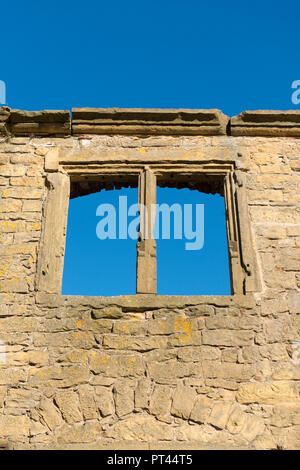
<point>266,123</point>
<point>149,121</point>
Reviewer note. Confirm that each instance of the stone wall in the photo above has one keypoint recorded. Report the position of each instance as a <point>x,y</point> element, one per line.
<point>150,371</point>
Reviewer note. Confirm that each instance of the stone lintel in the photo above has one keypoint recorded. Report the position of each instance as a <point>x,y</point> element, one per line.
<point>266,123</point>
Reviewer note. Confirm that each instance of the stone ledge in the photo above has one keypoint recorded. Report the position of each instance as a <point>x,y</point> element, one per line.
<point>40,123</point>
<point>4,116</point>
<point>123,121</point>
<point>141,302</point>
<point>266,123</point>
<point>148,121</point>
<point>47,122</point>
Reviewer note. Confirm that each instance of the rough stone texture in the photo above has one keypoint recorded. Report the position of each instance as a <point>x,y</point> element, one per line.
<point>266,123</point>
<point>68,404</point>
<point>148,121</point>
<point>148,371</point>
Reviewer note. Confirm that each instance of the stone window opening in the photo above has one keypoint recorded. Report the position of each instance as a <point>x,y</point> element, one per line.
<point>100,257</point>
<point>191,239</point>
<point>210,177</point>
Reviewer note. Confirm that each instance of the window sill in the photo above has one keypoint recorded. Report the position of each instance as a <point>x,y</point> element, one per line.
<point>142,302</point>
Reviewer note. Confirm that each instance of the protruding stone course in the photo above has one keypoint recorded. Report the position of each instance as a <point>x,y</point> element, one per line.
<point>148,121</point>
<point>159,122</point>
<point>45,122</point>
<point>148,371</point>
<point>266,123</point>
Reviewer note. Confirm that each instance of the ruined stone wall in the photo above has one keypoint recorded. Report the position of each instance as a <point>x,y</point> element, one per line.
<point>151,371</point>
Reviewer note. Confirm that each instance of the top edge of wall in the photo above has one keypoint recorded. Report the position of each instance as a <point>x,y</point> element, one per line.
<point>139,121</point>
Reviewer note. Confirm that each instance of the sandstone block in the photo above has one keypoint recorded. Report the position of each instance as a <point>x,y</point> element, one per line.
<point>185,339</point>
<point>68,403</point>
<point>231,322</point>
<point>285,416</point>
<point>10,205</point>
<point>183,402</point>
<point>161,326</point>
<point>99,326</point>
<point>268,393</point>
<point>2,395</point>
<point>227,337</point>
<point>130,327</point>
<point>228,371</point>
<point>293,300</point>
<point>273,306</point>
<point>124,398</point>
<point>14,426</point>
<point>37,428</point>
<point>278,330</point>
<point>104,401</point>
<point>59,376</point>
<point>140,428</point>
<point>220,414</point>
<point>160,402</point>
<point>23,193</point>
<point>286,371</point>
<point>253,427</point>
<point>142,393</point>
<point>134,343</point>
<point>172,370</point>
<point>32,205</point>
<point>107,312</point>
<point>266,123</point>
<point>78,433</point>
<point>52,160</point>
<point>201,409</point>
<point>87,402</point>
<point>12,170</point>
<point>190,353</point>
<point>159,121</point>
<point>76,339</point>
<point>116,365</point>
<point>50,413</point>
<point>247,426</point>
<point>12,376</point>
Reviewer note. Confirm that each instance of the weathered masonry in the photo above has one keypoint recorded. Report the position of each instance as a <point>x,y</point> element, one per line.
<point>148,371</point>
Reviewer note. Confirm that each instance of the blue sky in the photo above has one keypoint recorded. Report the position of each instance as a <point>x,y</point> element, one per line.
<point>158,54</point>
<point>107,267</point>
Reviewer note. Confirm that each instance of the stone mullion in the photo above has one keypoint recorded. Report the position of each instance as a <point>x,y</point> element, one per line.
<point>146,245</point>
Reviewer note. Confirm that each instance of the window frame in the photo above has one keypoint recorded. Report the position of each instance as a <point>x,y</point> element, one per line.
<point>62,167</point>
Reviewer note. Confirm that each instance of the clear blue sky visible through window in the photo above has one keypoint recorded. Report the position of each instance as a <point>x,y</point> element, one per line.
<point>187,265</point>
<point>61,54</point>
<point>93,266</point>
<point>185,269</point>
